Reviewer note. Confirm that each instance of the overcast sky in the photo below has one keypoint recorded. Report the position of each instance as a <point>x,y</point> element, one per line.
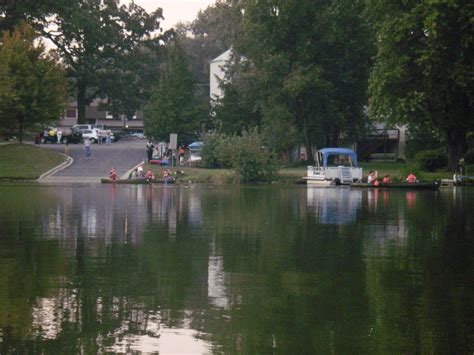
<point>174,11</point>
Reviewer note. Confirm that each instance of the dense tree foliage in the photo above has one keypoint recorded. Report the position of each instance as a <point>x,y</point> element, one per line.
<point>311,63</point>
<point>32,85</point>
<point>95,41</point>
<point>422,74</point>
<point>108,50</point>
<point>14,12</point>
<point>240,108</point>
<point>177,104</point>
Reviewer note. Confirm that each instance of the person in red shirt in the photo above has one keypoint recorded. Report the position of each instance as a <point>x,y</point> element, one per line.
<point>149,175</point>
<point>113,174</point>
<point>386,179</point>
<point>181,155</point>
<point>411,178</point>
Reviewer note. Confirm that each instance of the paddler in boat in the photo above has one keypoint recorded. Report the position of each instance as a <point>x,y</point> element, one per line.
<point>149,175</point>
<point>372,178</point>
<point>113,174</point>
<point>166,175</point>
<point>386,179</point>
<point>411,178</point>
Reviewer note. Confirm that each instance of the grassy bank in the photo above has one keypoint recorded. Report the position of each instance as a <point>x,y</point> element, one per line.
<point>290,175</point>
<point>196,175</point>
<point>23,161</point>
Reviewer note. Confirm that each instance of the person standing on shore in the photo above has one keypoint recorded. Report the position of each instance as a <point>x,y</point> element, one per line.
<point>59,135</point>
<point>149,150</point>
<point>87,148</point>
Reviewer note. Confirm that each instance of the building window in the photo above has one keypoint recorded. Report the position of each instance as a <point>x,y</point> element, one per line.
<point>71,113</point>
<point>109,115</point>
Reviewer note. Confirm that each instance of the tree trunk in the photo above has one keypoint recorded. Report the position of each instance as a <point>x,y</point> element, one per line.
<point>307,142</point>
<point>81,103</point>
<point>456,141</point>
<point>20,133</point>
<point>335,138</point>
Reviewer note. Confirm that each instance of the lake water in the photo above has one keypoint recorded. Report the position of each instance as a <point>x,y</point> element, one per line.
<point>256,269</point>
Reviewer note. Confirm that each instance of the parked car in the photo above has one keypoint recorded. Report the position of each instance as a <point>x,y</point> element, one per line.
<point>83,127</point>
<point>93,135</point>
<point>69,135</point>
<point>139,135</point>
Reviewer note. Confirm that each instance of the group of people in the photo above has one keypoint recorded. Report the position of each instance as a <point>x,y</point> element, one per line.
<point>104,136</point>
<point>372,178</point>
<point>163,153</point>
<point>139,173</point>
<point>50,135</point>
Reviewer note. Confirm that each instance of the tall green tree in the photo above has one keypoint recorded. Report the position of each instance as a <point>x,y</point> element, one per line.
<point>177,104</point>
<point>32,84</point>
<point>96,40</point>
<point>312,59</point>
<point>239,109</point>
<point>14,12</point>
<point>423,69</point>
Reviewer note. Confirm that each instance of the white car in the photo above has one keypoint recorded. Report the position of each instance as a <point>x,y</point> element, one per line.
<point>83,127</point>
<point>93,135</point>
<point>139,135</point>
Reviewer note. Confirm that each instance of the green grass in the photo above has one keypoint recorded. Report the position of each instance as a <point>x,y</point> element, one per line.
<point>196,175</point>
<point>23,161</point>
<point>292,174</point>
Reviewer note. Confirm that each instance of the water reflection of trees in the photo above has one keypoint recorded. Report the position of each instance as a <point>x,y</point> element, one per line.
<point>419,289</point>
<point>246,270</point>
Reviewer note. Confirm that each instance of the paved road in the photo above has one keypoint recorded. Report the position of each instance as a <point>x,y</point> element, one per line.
<point>123,155</point>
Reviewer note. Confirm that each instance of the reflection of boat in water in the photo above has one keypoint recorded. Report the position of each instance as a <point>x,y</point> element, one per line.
<point>138,181</point>
<point>334,166</point>
<point>334,206</point>
<point>433,185</point>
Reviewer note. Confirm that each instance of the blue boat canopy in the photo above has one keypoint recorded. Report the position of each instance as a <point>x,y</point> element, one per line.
<point>195,145</point>
<point>326,152</point>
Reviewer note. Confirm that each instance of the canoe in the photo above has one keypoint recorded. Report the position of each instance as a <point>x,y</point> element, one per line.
<point>138,181</point>
<point>431,185</point>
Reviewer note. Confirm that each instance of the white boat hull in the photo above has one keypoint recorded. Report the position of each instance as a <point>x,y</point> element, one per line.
<point>332,176</point>
<point>319,182</point>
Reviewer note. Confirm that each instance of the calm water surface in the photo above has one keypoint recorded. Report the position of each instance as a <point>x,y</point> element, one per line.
<point>267,269</point>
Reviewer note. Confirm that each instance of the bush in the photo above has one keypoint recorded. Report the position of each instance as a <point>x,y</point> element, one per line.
<point>253,162</point>
<point>469,157</point>
<point>430,160</point>
<point>210,151</point>
<point>219,151</point>
<point>228,151</point>
<point>246,154</point>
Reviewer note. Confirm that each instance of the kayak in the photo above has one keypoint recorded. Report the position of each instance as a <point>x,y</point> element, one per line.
<point>430,185</point>
<point>138,181</point>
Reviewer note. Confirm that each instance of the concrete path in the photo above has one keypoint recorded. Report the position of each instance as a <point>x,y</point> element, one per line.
<point>123,155</point>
